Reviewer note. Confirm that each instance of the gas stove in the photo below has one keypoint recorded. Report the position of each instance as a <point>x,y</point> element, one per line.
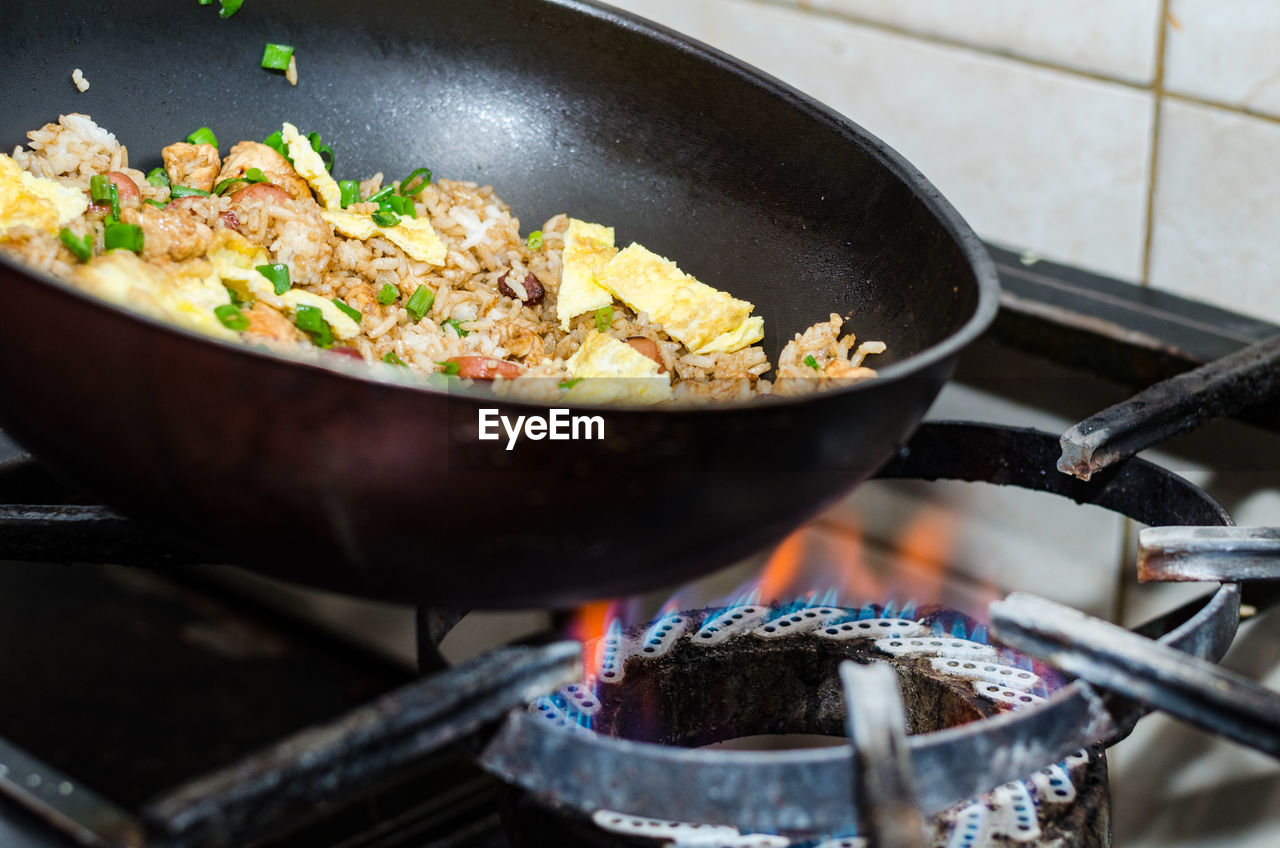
<point>156,702</point>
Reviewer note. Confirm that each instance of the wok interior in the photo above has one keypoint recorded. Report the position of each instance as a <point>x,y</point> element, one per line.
<point>555,107</point>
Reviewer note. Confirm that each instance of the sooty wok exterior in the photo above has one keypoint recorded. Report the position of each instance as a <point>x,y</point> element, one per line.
<point>324,475</point>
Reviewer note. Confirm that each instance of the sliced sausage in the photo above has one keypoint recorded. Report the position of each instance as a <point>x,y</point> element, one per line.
<point>648,348</point>
<point>484,368</point>
<point>276,168</point>
<point>261,191</point>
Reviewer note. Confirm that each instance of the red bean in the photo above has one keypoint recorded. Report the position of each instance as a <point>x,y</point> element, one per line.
<point>648,347</point>
<point>532,288</point>
<point>484,368</point>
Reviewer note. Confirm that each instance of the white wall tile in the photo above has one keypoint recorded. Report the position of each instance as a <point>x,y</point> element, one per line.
<point>1217,209</point>
<point>1032,158</point>
<point>1115,38</point>
<point>1225,52</point>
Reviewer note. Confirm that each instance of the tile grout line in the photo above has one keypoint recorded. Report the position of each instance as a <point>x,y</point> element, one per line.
<point>1239,111</point>
<point>947,41</point>
<point>804,8</point>
<point>1153,162</point>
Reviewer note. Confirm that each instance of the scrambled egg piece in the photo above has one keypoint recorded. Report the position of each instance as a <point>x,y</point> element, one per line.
<point>310,166</point>
<point>747,333</point>
<point>186,297</point>
<point>235,260</point>
<point>412,235</point>
<point>613,371</point>
<point>587,250</point>
<point>706,320</point>
<point>35,201</point>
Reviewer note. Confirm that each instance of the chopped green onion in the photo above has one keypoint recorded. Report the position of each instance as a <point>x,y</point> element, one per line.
<point>278,274</point>
<point>229,8</point>
<point>249,177</point>
<point>123,236</point>
<point>325,151</point>
<point>276,142</point>
<point>387,294</point>
<point>353,314</point>
<point>157,204</point>
<point>420,303</point>
<point>115,201</point>
<point>187,191</point>
<point>231,317</point>
<point>100,188</point>
<point>811,362</point>
<point>391,359</point>
<point>206,2</point>
<point>408,187</point>
<point>158,177</point>
<point>604,318</point>
<point>204,135</point>
<point>350,190</point>
<point>385,218</point>
<point>534,241</point>
<point>276,56</point>
<point>381,195</point>
<point>311,321</point>
<point>402,206</point>
<point>449,369</point>
<point>457,327</point>
<point>82,248</point>
<point>569,384</point>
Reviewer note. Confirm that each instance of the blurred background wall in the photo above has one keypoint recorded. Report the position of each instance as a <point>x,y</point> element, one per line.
<point>1136,138</point>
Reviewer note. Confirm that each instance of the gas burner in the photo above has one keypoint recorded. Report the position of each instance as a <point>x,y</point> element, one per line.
<point>973,734</point>
<point>698,677</point>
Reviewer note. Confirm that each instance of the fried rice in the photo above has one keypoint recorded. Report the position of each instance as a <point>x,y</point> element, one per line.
<point>486,321</point>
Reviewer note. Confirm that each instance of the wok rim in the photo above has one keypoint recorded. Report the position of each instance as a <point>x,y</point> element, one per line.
<point>970,245</point>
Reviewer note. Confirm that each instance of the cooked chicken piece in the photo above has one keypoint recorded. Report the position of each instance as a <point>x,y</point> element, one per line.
<point>361,297</point>
<point>276,168</point>
<point>267,323</point>
<point>192,165</point>
<point>174,232</point>
<point>840,369</point>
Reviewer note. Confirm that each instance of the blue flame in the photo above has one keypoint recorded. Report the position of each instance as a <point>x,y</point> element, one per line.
<point>908,610</point>
<point>958,629</point>
<point>889,611</point>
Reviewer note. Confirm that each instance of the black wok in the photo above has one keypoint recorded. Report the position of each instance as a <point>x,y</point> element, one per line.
<point>331,478</point>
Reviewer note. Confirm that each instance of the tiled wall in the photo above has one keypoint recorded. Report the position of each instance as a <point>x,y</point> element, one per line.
<point>1138,138</point>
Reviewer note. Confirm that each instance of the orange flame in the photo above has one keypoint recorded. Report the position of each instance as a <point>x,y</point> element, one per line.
<point>924,552</point>
<point>845,548</point>
<point>782,568</point>
<point>589,624</point>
